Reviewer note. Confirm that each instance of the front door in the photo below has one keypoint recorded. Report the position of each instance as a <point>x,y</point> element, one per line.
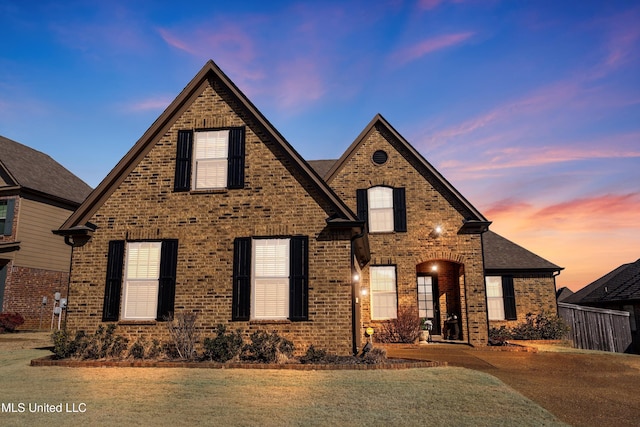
<point>428,306</point>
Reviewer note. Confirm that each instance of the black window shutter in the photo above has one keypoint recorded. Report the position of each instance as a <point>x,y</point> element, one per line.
<point>299,278</point>
<point>509,296</point>
<point>182,181</point>
<point>167,282</point>
<point>362,204</point>
<point>113,286</point>
<point>241,279</point>
<point>399,210</point>
<point>8,222</point>
<point>235,171</point>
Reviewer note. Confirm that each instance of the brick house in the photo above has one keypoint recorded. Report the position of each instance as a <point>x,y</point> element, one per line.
<point>617,290</point>
<point>213,212</point>
<point>37,194</point>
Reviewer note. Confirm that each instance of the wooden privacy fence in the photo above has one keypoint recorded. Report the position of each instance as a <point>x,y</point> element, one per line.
<point>597,328</point>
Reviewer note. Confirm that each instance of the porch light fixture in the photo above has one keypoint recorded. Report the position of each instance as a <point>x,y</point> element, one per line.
<point>363,292</point>
<point>434,267</point>
<point>356,277</point>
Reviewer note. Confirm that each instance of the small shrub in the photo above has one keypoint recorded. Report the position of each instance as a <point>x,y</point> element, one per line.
<point>405,328</point>
<point>535,327</point>
<point>497,336</point>
<point>540,327</point>
<point>314,355</point>
<point>184,335</point>
<point>267,348</point>
<point>103,344</point>
<point>375,355</point>
<point>137,350</point>
<point>224,347</point>
<point>155,350</point>
<point>10,321</point>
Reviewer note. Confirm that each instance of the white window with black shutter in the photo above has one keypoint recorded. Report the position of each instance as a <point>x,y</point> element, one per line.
<point>210,159</point>
<point>140,281</point>
<point>270,279</point>
<point>501,302</point>
<point>384,209</point>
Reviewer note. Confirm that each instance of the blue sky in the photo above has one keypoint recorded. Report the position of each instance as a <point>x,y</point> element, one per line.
<point>531,109</point>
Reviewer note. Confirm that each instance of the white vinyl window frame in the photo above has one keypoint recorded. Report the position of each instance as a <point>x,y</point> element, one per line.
<point>210,159</point>
<point>380,205</point>
<point>426,299</point>
<point>495,298</point>
<point>270,279</point>
<point>141,280</point>
<point>384,295</point>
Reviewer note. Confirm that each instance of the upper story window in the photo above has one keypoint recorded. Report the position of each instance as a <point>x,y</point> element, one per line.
<point>380,209</point>
<point>6,216</point>
<point>384,209</point>
<point>210,159</point>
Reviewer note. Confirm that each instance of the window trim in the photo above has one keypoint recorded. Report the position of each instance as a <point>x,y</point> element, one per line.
<point>507,297</point>
<point>127,281</point>
<point>389,225</point>
<point>197,161</point>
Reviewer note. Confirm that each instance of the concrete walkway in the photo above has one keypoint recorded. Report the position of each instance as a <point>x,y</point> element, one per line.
<point>580,388</point>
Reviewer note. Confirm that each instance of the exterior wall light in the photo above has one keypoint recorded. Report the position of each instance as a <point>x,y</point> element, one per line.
<point>364,292</point>
<point>356,277</point>
<point>434,267</point>
<point>438,230</point>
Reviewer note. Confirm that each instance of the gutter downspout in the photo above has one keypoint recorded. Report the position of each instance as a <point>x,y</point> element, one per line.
<point>354,294</point>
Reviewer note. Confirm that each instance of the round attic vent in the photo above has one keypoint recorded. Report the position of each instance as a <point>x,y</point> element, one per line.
<point>380,157</point>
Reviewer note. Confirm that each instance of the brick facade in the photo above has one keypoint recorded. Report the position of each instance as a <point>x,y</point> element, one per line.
<point>24,289</point>
<point>277,200</point>
<point>457,256</point>
<point>534,293</point>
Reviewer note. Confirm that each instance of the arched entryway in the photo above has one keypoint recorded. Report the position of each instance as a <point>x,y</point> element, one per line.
<point>439,283</point>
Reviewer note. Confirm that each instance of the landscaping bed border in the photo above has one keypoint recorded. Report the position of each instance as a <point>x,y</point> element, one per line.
<point>71,363</point>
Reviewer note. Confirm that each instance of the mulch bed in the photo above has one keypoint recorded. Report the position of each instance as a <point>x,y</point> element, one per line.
<point>391,364</point>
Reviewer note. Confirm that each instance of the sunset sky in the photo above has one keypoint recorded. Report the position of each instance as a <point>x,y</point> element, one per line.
<point>530,108</point>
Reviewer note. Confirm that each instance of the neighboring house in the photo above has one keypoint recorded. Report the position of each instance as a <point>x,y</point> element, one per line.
<point>616,290</point>
<point>37,194</point>
<point>213,212</point>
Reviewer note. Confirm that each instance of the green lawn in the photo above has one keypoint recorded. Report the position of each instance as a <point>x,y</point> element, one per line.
<point>241,397</point>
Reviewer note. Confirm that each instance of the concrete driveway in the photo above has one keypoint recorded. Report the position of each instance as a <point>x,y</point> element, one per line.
<point>581,388</point>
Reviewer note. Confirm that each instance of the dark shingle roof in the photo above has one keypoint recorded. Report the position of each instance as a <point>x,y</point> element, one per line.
<point>621,284</point>
<point>321,166</point>
<point>503,254</point>
<point>34,170</point>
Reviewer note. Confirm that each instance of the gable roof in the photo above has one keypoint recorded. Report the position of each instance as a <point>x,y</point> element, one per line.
<point>504,255</point>
<point>472,215</point>
<point>345,217</point>
<point>34,171</point>
<point>621,284</point>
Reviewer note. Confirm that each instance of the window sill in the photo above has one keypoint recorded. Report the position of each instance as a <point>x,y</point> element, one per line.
<point>269,322</point>
<point>210,191</point>
<point>137,322</point>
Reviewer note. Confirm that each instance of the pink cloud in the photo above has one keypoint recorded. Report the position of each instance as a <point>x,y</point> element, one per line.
<point>588,236</point>
<point>300,83</point>
<point>427,46</point>
<point>149,104</point>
